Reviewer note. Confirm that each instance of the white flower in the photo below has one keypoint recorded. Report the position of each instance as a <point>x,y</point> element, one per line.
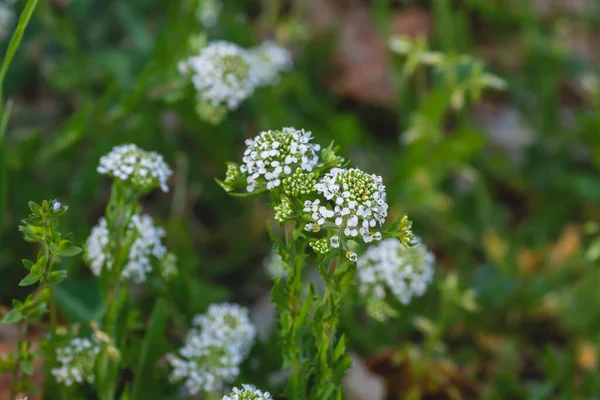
<point>77,362</point>
<point>270,60</point>
<point>247,392</point>
<point>146,248</point>
<point>146,170</point>
<point>355,203</point>
<point>334,241</point>
<point>208,12</point>
<point>223,74</point>
<point>274,265</point>
<point>389,266</point>
<point>274,155</point>
<point>352,256</point>
<point>214,349</point>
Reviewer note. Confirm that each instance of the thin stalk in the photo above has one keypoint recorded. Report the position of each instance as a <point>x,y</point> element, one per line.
<point>18,372</point>
<point>13,46</point>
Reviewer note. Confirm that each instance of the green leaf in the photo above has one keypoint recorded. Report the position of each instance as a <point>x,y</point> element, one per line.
<point>145,385</point>
<point>79,301</point>
<point>30,279</point>
<point>27,367</point>
<point>57,276</point>
<point>27,264</point>
<point>71,251</point>
<point>13,317</point>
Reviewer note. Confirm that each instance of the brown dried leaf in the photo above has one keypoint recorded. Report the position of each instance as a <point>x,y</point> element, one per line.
<point>567,245</point>
<point>418,376</point>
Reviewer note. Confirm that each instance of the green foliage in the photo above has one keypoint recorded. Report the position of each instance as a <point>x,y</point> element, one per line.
<point>490,146</point>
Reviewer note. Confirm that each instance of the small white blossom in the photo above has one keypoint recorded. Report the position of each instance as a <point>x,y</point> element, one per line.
<point>214,349</point>
<point>334,241</point>
<point>77,362</point>
<point>223,74</point>
<point>274,155</point>
<point>146,248</point>
<point>270,60</point>
<point>274,265</point>
<point>389,266</point>
<point>247,392</point>
<point>146,170</point>
<point>355,203</point>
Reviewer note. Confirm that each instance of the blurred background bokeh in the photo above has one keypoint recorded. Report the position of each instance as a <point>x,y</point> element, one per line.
<point>501,181</point>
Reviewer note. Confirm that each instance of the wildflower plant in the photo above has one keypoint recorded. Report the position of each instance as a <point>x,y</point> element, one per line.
<point>125,247</point>
<point>247,392</point>
<point>390,268</point>
<point>40,227</point>
<point>224,74</point>
<point>213,351</point>
<point>327,212</point>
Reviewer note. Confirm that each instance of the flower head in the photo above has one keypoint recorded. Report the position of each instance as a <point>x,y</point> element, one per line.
<point>270,60</point>
<point>145,170</point>
<point>222,73</point>
<point>274,155</point>
<point>146,248</point>
<point>390,267</point>
<point>247,392</point>
<point>355,203</point>
<point>77,362</point>
<point>214,349</point>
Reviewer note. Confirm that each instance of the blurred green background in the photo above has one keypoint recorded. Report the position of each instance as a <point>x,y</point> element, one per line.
<point>505,188</point>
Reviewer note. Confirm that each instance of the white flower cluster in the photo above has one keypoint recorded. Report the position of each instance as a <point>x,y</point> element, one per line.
<point>208,12</point>
<point>270,60</point>
<point>146,245</point>
<point>146,170</point>
<point>222,73</point>
<point>77,362</point>
<point>359,204</point>
<point>247,392</point>
<point>273,155</point>
<point>389,266</point>
<point>214,349</point>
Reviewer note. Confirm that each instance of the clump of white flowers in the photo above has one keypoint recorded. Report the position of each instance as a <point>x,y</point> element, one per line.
<point>247,392</point>
<point>222,74</point>
<point>390,267</point>
<point>208,12</point>
<point>354,204</point>
<point>77,362</point>
<point>214,349</point>
<point>273,155</point>
<point>271,59</point>
<point>146,248</point>
<point>144,170</point>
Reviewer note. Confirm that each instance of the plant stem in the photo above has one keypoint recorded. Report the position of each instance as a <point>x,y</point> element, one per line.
<point>17,373</point>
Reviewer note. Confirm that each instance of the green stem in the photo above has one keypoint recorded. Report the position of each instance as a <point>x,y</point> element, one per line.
<point>13,46</point>
<point>295,286</point>
<point>17,372</point>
